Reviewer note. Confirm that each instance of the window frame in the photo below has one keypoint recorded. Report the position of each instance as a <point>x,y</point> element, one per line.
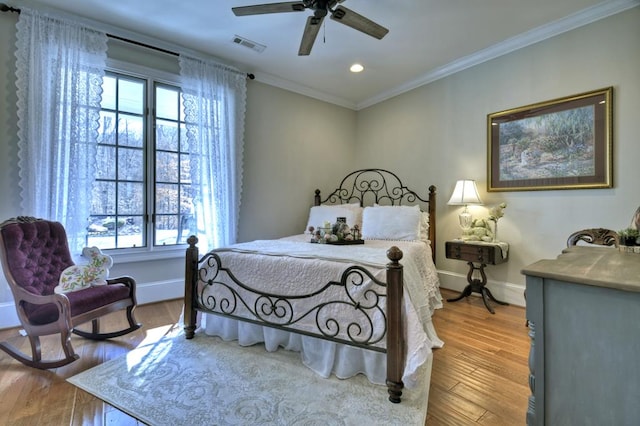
<point>150,251</point>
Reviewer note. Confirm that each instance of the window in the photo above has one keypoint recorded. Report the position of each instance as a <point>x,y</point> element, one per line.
<point>142,194</point>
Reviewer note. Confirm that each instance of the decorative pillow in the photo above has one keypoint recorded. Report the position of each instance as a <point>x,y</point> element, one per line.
<point>328,213</point>
<point>95,273</point>
<point>391,223</point>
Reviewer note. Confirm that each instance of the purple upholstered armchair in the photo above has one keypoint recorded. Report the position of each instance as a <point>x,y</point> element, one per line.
<point>34,252</point>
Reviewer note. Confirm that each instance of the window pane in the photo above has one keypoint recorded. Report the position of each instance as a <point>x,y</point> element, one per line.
<point>106,162</point>
<point>167,167</point>
<point>166,230</point>
<point>108,92</point>
<point>186,200</point>
<point>130,164</point>
<point>185,169</point>
<point>166,199</point>
<point>167,135</point>
<point>130,130</point>
<point>130,198</point>
<point>109,232</point>
<point>107,128</point>
<point>131,233</point>
<point>184,142</point>
<point>131,96</point>
<point>102,239</point>
<point>167,103</point>
<point>103,198</point>
<point>187,225</point>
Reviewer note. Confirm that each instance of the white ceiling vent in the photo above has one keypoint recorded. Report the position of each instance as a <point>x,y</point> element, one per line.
<point>248,43</point>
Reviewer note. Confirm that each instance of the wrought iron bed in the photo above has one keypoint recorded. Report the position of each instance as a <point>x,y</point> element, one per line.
<point>382,299</point>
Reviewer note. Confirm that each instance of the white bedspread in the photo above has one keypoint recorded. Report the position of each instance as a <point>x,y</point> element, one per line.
<point>271,269</point>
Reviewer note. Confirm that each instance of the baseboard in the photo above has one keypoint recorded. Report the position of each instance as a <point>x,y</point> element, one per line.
<point>174,289</point>
<point>146,293</point>
<point>504,291</point>
<point>8,316</point>
<point>159,291</point>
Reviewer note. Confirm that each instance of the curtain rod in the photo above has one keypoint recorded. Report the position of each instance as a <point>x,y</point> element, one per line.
<point>7,8</point>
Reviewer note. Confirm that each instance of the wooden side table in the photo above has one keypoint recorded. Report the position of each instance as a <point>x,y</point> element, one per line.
<point>482,254</point>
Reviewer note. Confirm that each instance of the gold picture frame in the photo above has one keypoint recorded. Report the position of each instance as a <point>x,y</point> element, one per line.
<point>563,143</point>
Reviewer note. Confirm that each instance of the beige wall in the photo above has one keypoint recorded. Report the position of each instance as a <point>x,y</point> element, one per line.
<point>293,145</point>
<point>435,134</point>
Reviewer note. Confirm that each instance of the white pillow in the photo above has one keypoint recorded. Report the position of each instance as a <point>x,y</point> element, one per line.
<point>328,213</point>
<point>391,223</point>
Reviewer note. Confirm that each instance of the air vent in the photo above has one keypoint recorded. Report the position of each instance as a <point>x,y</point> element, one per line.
<point>249,44</point>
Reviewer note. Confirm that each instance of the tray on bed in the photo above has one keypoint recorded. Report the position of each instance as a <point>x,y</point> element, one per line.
<point>345,242</point>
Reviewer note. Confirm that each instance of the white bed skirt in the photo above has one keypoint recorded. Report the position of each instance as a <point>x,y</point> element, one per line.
<point>322,356</point>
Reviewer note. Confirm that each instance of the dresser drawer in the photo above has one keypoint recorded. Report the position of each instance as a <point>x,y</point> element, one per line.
<point>481,253</point>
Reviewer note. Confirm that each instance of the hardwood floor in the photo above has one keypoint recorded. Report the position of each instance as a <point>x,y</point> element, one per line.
<point>480,376</point>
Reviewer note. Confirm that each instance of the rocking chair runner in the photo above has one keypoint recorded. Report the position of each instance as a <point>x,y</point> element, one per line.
<point>34,252</point>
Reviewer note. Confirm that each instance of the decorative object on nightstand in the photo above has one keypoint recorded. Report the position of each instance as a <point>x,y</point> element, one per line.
<point>465,193</point>
<point>495,214</point>
<point>483,254</point>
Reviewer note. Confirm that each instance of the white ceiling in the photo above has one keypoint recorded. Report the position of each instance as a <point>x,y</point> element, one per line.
<point>427,38</point>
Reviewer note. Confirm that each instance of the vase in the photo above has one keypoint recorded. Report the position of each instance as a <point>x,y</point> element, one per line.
<point>495,231</point>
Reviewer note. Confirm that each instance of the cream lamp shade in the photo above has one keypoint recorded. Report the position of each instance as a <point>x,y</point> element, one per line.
<point>465,193</point>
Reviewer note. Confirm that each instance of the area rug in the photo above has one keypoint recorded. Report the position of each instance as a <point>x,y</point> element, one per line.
<point>207,381</point>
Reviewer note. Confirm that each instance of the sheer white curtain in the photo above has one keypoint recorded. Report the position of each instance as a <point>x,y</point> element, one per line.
<point>59,72</point>
<point>214,99</point>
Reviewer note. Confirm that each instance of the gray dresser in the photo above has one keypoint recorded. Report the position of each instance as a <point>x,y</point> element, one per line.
<point>583,310</point>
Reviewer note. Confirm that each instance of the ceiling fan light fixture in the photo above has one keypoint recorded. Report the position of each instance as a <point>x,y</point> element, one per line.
<point>356,68</point>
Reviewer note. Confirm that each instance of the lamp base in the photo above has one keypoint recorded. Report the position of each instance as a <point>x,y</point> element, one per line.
<point>466,220</point>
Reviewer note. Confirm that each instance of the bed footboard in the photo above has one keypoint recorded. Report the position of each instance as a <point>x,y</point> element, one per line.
<point>395,347</point>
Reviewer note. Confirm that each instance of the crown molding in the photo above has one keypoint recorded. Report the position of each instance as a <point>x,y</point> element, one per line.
<point>544,32</point>
<point>281,83</point>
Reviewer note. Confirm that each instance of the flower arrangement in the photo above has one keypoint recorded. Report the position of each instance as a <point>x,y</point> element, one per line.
<point>497,212</point>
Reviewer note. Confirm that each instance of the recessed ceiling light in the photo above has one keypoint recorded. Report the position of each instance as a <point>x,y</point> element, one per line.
<point>356,68</point>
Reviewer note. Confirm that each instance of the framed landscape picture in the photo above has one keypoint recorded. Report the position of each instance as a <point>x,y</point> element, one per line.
<point>559,144</point>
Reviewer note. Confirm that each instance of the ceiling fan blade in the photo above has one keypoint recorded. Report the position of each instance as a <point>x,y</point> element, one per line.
<point>358,22</point>
<point>310,33</point>
<point>259,9</point>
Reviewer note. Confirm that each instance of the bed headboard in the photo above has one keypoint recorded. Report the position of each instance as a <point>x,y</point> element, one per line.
<point>369,186</point>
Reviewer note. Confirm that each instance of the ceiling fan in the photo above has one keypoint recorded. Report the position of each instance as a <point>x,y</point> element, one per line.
<point>321,8</point>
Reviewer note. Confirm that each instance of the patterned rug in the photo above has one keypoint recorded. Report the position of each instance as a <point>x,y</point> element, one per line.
<point>206,381</point>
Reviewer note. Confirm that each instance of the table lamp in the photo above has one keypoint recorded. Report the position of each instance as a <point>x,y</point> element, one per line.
<point>465,193</point>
